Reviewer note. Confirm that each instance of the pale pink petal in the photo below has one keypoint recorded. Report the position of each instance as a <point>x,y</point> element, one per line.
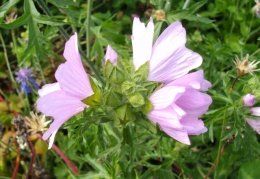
<point>51,139</point>
<point>111,55</point>
<point>180,62</point>
<point>193,126</point>
<point>249,100</point>
<point>172,38</point>
<point>255,124</point>
<point>192,80</point>
<point>178,110</point>
<point>49,88</point>
<point>179,135</point>
<point>165,96</point>
<point>61,107</point>
<point>71,74</point>
<point>74,80</point>
<point>71,52</point>
<point>142,41</point>
<point>255,111</point>
<point>165,118</point>
<point>194,103</point>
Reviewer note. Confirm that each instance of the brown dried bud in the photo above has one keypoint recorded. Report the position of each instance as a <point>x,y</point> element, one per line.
<point>159,15</point>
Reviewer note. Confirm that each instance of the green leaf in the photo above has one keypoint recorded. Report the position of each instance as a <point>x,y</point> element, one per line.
<point>112,99</point>
<point>250,170</point>
<point>63,3</point>
<point>53,21</point>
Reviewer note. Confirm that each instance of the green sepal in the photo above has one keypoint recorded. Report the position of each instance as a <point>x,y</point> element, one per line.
<point>121,112</point>
<point>113,73</point>
<point>108,69</point>
<point>147,107</point>
<point>142,73</point>
<point>94,99</point>
<point>112,99</point>
<point>125,114</point>
<point>128,87</point>
<point>136,100</point>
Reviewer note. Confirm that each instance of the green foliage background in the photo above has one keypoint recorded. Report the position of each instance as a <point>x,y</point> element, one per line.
<point>218,30</point>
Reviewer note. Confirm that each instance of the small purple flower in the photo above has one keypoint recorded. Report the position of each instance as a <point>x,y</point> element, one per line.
<point>26,80</point>
<point>249,100</point>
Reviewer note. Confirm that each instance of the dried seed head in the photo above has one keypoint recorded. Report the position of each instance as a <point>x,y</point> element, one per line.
<point>244,66</point>
<point>36,123</point>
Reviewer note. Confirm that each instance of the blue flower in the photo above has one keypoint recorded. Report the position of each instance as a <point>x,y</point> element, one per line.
<point>26,80</point>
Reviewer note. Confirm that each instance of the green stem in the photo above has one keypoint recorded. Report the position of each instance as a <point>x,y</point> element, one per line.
<point>233,84</point>
<point>40,68</point>
<point>220,148</point>
<point>27,104</point>
<point>257,51</point>
<point>15,44</point>
<point>187,2</point>
<point>88,27</point>
<point>7,61</point>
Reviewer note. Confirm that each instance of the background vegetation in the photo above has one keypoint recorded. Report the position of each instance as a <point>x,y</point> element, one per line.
<point>33,33</point>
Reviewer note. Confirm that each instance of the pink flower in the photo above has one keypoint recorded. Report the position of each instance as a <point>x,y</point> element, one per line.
<point>168,58</point>
<point>63,99</point>
<point>178,106</point>
<point>255,124</point>
<point>111,55</point>
<point>249,100</point>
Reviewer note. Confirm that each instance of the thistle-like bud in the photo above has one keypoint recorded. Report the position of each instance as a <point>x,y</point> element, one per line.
<point>244,66</point>
<point>159,15</point>
<point>11,17</point>
<point>36,123</point>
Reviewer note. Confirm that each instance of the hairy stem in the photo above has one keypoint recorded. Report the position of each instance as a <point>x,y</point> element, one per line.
<point>68,162</point>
